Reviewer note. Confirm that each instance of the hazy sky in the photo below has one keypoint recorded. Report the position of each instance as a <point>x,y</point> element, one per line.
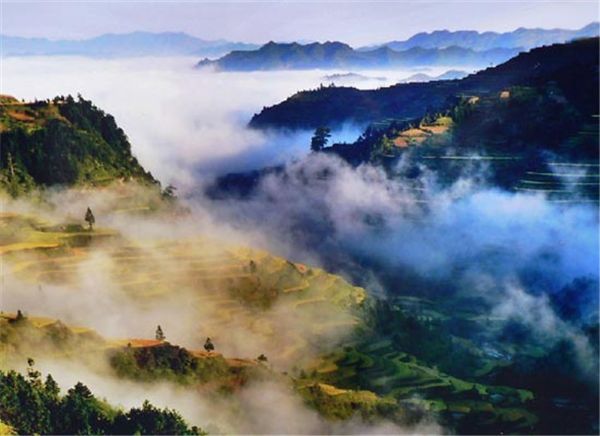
<point>356,22</point>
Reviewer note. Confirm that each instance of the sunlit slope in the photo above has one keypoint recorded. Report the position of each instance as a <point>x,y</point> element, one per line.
<point>158,361</point>
<point>306,322</point>
<point>275,302</point>
<point>143,360</point>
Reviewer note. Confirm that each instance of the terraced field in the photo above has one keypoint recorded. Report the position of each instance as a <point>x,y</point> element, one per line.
<point>250,303</point>
<point>382,369</point>
<point>286,308</point>
<point>559,182</point>
<point>568,182</point>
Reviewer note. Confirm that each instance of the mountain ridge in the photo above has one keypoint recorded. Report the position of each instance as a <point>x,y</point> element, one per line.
<point>335,54</point>
<point>523,38</point>
<point>333,106</point>
<point>121,45</point>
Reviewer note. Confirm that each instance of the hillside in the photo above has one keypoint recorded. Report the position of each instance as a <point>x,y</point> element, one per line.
<point>236,292</point>
<point>341,352</point>
<point>121,45</point>
<point>62,142</point>
<point>566,64</point>
<point>332,55</point>
<point>520,38</point>
<point>327,348</point>
<point>540,138</point>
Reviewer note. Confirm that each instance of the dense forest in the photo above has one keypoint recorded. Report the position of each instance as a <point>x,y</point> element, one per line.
<point>65,141</point>
<point>30,405</point>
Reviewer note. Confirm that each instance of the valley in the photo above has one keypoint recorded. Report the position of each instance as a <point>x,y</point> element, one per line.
<point>235,294</point>
<point>240,245</point>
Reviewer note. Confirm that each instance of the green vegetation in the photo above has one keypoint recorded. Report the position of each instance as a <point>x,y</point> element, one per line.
<point>400,348</point>
<point>320,138</point>
<point>398,356</point>
<point>394,359</point>
<point>30,406</point>
<point>62,142</point>
<point>341,404</point>
<point>167,362</point>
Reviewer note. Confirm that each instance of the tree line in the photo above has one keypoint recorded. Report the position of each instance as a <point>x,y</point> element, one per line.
<point>32,406</point>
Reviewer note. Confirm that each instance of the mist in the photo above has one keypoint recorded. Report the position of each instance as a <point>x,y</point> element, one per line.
<point>418,237</point>
<point>514,252</point>
<point>93,294</point>
<point>185,124</point>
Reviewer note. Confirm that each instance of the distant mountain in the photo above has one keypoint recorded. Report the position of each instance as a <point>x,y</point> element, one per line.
<point>122,45</point>
<point>520,38</point>
<point>448,75</point>
<point>351,77</point>
<point>564,64</point>
<point>329,55</point>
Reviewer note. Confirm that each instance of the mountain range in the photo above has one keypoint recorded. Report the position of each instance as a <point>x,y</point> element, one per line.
<point>331,106</point>
<point>423,77</point>
<point>122,45</point>
<point>463,47</point>
<point>519,38</point>
<point>332,55</point>
<point>460,48</point>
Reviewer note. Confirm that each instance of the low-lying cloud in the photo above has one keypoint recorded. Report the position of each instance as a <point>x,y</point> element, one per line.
<point>515,252</point>
<point>184,124</point>
<point>415,237</point>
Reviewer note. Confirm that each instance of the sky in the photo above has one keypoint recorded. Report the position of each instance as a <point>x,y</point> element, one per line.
<point>354,22</point>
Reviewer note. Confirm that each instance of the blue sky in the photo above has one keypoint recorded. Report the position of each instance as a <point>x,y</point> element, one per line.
<point>355,22</point>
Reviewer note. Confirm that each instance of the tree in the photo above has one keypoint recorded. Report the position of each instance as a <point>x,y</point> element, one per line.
<point>89,217</point>
<point>81,412</point>
<point>33,374</point>
<point>169,193</point>
<point>208,345</point>
<point>160,336</point>
<point>320,138</point>
<point>31,407</point>
<point>20,317</point>
<point>262,358</point>
<point>51,387</point>
<point>151,420</point>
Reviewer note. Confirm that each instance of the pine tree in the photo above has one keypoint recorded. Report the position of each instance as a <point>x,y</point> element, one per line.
<point>160,336</point>
<point>208,345</point>
<point>320,138</point>
<point>89,217</point>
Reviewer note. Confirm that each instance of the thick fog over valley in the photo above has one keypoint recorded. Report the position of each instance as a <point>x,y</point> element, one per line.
<point>184,124</point>
<point>187,126</point>
<point>431,269</point>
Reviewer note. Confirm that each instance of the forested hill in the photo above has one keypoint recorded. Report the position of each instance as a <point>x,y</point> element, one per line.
<point>572,66</point>
<point>65,141</point>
